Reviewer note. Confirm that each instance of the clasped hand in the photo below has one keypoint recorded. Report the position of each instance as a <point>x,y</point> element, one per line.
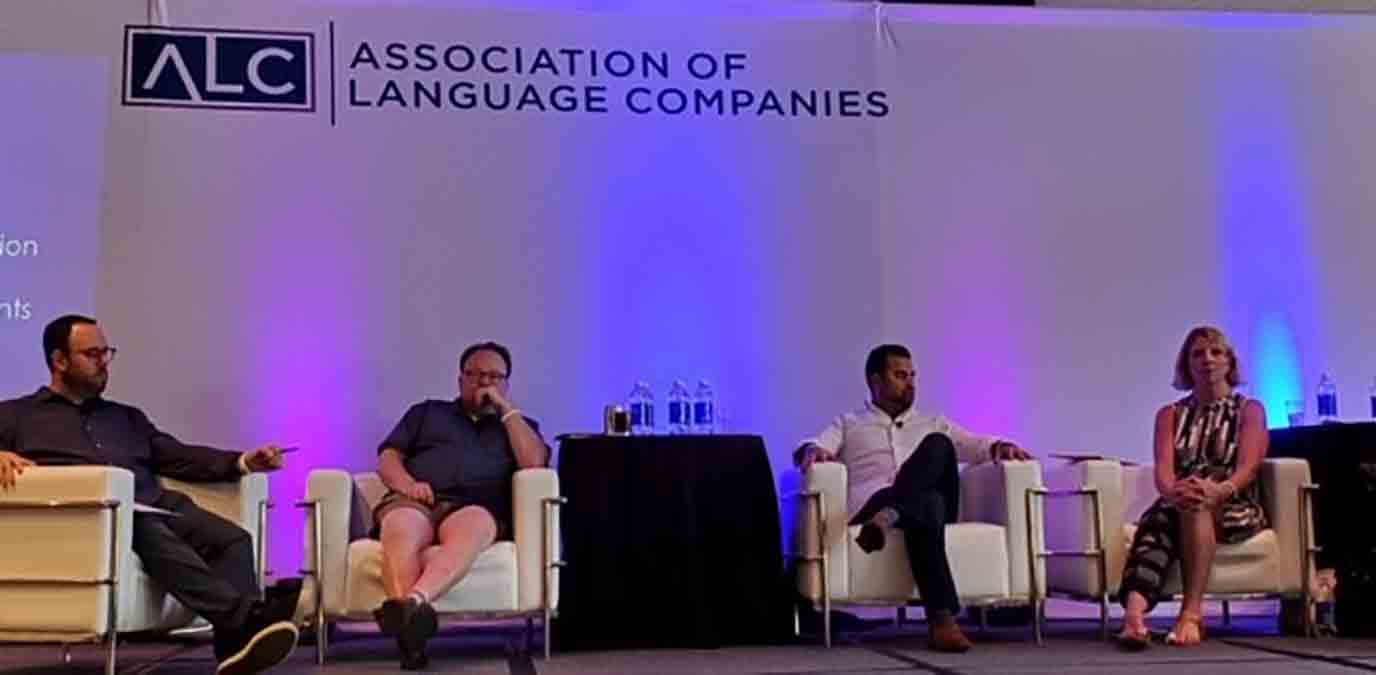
<point>1196,494</point>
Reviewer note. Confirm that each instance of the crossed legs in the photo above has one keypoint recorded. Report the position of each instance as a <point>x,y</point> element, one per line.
<point>415,571</point>
<point>924,497</point>
<point>411,565</point>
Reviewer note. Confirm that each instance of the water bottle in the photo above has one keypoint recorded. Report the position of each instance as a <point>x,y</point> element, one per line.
<point>680,404</point>
<point>1328,399</point>
<point>1373,398</point>
<point>642,405</point>
<point>704,409</point>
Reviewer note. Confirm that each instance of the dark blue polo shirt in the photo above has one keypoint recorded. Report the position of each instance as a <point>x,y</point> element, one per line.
<point>51,430</point>
<point>451,451</point>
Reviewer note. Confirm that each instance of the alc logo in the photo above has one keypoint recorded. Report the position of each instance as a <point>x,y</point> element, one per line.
<point>218,68</point>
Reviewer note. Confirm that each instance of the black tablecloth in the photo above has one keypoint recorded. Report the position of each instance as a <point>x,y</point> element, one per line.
<point>671,541</point>
<point>1345,501</point>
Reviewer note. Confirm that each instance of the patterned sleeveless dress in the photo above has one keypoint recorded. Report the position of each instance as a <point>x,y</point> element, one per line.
<point>1206,446</point>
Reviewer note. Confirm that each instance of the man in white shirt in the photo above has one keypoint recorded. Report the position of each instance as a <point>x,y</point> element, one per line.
<point>902,469</point>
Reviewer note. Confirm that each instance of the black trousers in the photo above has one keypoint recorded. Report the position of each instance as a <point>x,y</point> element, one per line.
<point>926,495</point>
<point>203,560</point>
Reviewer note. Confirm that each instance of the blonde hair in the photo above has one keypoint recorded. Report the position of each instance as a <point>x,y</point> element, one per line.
<point>1184,381</point>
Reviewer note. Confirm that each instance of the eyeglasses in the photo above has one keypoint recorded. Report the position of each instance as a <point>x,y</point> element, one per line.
<point>106,354</point>
<point>479,375</point>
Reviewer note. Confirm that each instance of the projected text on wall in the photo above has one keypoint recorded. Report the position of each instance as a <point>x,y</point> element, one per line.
<point>50,187</point>
<point>13,253</point>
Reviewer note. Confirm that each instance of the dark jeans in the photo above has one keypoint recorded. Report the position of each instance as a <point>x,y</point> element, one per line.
<point>203,560</point>
<point>926,495</point>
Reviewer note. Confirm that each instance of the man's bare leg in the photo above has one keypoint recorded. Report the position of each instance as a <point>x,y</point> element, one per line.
<point>462,536</point>
<point>406,532</point>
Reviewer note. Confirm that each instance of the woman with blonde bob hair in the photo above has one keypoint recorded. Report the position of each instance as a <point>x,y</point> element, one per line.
<point>1208,447</point>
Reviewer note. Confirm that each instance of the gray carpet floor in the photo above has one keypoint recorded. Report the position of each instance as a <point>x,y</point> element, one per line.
<point>1250,645</point>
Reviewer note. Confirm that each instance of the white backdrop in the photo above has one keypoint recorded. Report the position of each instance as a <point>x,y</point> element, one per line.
<point>1051,201</point>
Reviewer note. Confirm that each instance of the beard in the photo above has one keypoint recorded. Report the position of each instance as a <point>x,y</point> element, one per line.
<point>86,386</point>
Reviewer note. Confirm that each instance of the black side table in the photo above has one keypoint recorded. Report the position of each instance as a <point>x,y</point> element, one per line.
<point>671,541</point>
<point>1336,453</point>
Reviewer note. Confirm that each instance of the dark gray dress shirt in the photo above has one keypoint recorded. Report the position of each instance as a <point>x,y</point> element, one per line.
<point>51,430</point>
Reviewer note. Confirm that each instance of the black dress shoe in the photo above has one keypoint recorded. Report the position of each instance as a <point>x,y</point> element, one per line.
<point>871,538</point>
<point>412,659</point>
<point>390,616</point>
<point>419,624</point>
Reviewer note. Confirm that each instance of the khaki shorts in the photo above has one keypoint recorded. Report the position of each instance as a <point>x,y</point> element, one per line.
<point>445,506</point>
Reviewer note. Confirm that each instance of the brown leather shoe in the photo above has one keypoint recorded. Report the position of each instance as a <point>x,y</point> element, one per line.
<point>947,637</point>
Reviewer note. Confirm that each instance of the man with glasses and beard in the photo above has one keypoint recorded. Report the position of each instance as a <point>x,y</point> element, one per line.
<point>203,560</point>
<point>448,466</point>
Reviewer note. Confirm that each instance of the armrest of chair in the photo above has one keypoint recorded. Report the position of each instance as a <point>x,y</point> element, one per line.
<point>237,501</point>
<point>243,502</point>
<point>1286,500</point>
<point>55,524</point>
<point>996,492</point>
<point>824,495</point>
<point>535,498</point>
<point>1070,525</point>
<point>329,498</point>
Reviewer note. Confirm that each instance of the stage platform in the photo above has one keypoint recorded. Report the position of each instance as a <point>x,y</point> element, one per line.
<point>1251,645</point>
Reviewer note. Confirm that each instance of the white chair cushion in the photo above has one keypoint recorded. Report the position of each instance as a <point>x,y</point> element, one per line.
<point>489,585</point>
<point>1251,566</point>
<point>977,552</point>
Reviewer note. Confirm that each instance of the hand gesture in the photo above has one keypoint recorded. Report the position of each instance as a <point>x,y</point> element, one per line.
<point>492,395</point>
<point>265,458</point>
<point>420,492</point>
<point>1006,450</point>
<point>813,454</point>
<point>11,465</point>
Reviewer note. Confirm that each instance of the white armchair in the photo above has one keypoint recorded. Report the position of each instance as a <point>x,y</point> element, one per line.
<point>1088,550</point>
<point>68,572</point>
<point>511,579</point>
<point>989,548</point>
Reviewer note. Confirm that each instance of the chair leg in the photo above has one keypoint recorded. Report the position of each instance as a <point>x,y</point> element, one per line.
<point>530,634</point>
<point>322,638</point>
<point>826,623</point>
<point>1103,617</point>
<point>1227,614</point>
<point>983,619</point>
<point>548,615</point>
<point>900,616</point>
<point>110,655</point>
<point>1038,610</point>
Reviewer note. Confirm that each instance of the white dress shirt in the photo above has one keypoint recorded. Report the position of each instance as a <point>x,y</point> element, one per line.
<point>873,445</point>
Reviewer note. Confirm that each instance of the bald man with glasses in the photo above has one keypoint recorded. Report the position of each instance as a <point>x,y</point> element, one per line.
<point>448,466</point>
